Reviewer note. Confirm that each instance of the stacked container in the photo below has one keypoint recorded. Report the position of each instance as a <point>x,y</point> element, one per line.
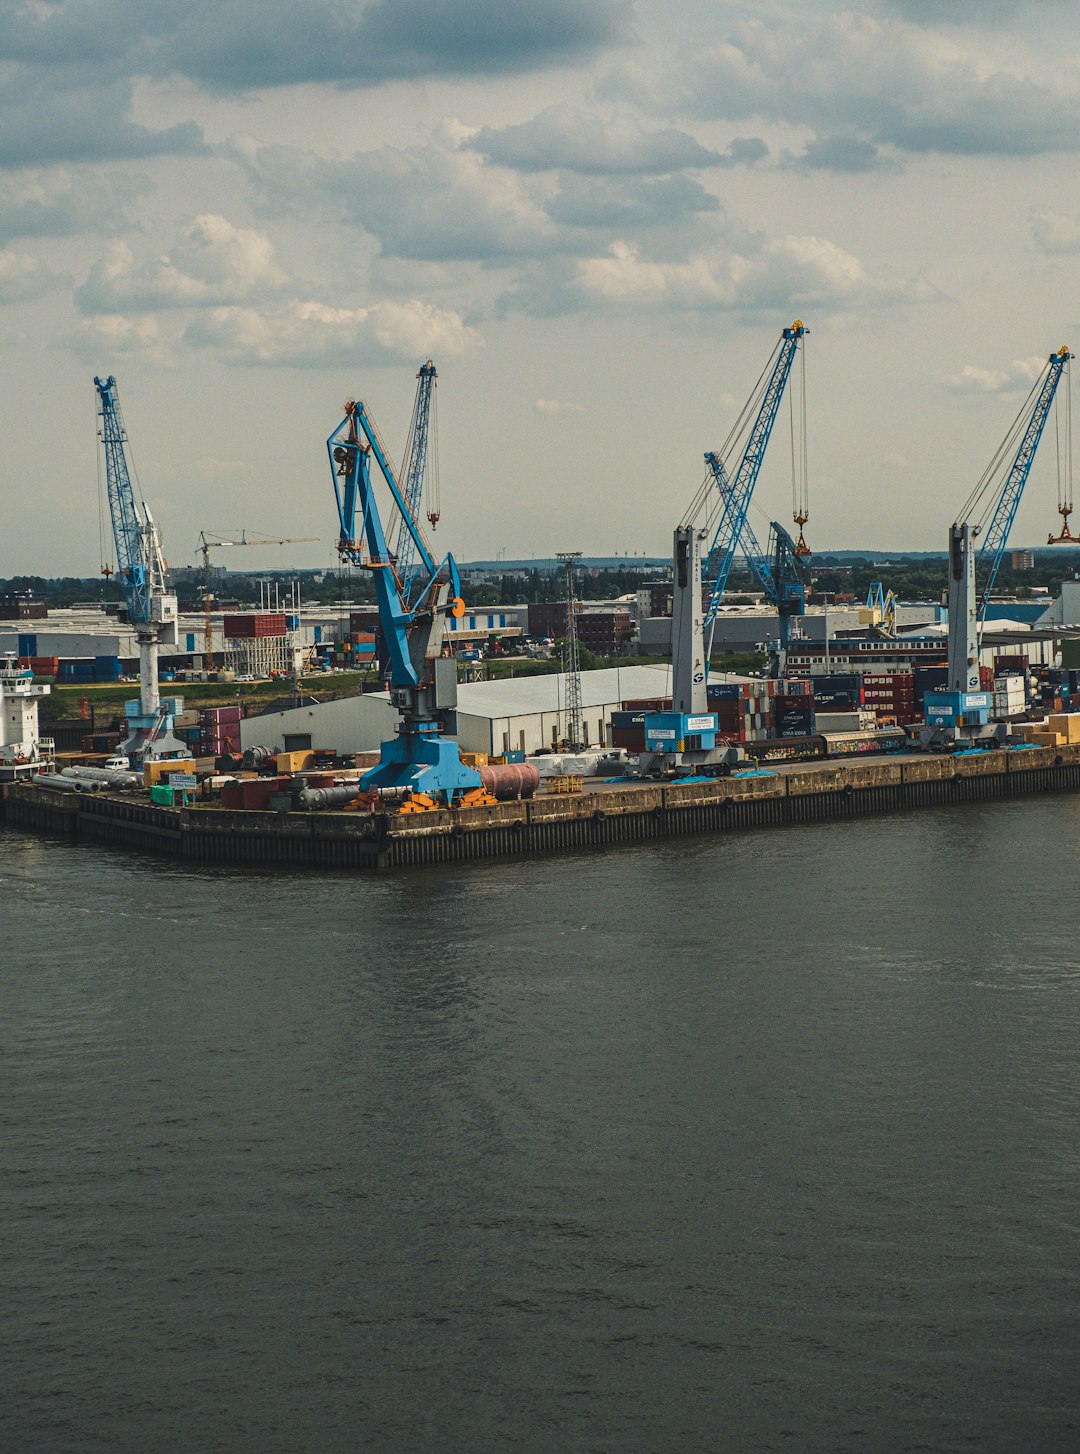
<point>929,679</point>
<point>41,666</point>
<point>890,695</point>
<point>1010,696</point>
<point>257,623</point>
<point>837,693</point>
<point>744,710</point>
<point>220,730</point>
<point>628,730</point>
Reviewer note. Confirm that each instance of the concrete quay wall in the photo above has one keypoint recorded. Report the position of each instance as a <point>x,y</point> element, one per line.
<point>207,834</point>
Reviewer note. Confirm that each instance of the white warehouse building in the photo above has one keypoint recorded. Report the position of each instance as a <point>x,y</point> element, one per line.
<point>518,714</point>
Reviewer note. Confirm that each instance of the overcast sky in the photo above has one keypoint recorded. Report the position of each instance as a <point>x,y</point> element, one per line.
<point>595,215</point>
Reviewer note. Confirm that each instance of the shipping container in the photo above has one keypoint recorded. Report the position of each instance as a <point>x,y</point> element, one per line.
<point>255,624</point>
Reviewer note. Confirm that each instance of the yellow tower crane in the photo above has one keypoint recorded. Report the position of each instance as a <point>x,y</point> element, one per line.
<point>209,541</point>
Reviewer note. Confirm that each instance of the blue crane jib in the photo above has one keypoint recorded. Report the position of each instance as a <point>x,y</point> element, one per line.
<point>1000,500</point>
<point>736,492</point>
<point>138,572</point>
<point>992,549</point>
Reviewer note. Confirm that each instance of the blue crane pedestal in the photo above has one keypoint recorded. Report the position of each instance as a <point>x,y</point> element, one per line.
<point>423,762</point>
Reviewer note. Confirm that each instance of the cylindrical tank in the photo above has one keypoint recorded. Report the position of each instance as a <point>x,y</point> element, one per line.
<point>507,781</point>
<point>327,797</point>
<point>111,777</point>
<point>257,757</point>
<point>68,784</point>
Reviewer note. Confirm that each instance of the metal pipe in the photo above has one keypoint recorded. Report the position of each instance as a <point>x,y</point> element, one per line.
<point>67,784</point>
<point>327,797</point>
<point>111,777</point>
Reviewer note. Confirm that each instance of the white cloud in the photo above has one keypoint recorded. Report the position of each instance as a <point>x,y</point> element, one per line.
<point>209,468</point>
<point>311,334</point>
<point>973,379</point>
<point>557,406</point>
<point>22,276</point>
<point>435,202</point>
<point>58,202</point>
<point>1054,232</point>
<point>792,272</point>
<point>212,262</point>
<point>110,336</point>
<point>884,81</point>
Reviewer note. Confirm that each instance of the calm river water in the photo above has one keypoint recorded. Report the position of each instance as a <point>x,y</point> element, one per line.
<point>762,1144</point>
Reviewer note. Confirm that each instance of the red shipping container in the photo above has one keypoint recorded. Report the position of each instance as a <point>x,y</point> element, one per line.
<point>270,623</point>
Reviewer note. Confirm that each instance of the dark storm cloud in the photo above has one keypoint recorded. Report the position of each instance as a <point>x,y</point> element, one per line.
<point>840,154</point>
<point>67,69</point>
<point>229,45</point>
<point>567,138</point>
<point>66,117</point>
<point>623,204</point>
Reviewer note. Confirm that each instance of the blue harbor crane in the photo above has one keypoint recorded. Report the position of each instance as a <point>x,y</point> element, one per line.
<point>729,508</point>
<point>422,762</point>
<point>724,501</point>
<point>140,571</point>
<point>962,711</point>
<point>421,441</point>
<point>780,573</point>
<point>686,736</point>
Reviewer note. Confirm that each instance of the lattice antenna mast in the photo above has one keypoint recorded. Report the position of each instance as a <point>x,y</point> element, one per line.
<point>574,727</point>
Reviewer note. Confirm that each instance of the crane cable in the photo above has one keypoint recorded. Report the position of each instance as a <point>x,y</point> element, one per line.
<point>1064,465</point>
<point>104,553</point>
<point>707,496</point>
<point>984,491</point>
<point>431,480</point>
<point>800,487</point>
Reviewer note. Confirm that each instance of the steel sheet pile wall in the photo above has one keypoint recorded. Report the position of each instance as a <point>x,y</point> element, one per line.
<point>545,824</point>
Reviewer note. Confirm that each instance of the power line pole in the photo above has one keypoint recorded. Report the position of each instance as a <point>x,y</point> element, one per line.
<point>573,664</point>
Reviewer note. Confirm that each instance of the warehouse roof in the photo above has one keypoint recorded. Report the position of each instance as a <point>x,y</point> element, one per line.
<point>524,696</point>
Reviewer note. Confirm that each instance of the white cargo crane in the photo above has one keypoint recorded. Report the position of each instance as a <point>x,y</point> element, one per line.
<point>960,715</point>
<point>140,572</point>
<point>686,737</point>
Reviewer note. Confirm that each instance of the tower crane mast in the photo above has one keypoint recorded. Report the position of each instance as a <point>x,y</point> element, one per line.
<point>140,571</point>
<point>416,461</point>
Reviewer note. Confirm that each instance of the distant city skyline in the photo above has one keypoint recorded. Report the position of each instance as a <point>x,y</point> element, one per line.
<point>595,215</point>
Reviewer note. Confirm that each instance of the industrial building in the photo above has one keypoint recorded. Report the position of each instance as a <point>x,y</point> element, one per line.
<point>518,714</point>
